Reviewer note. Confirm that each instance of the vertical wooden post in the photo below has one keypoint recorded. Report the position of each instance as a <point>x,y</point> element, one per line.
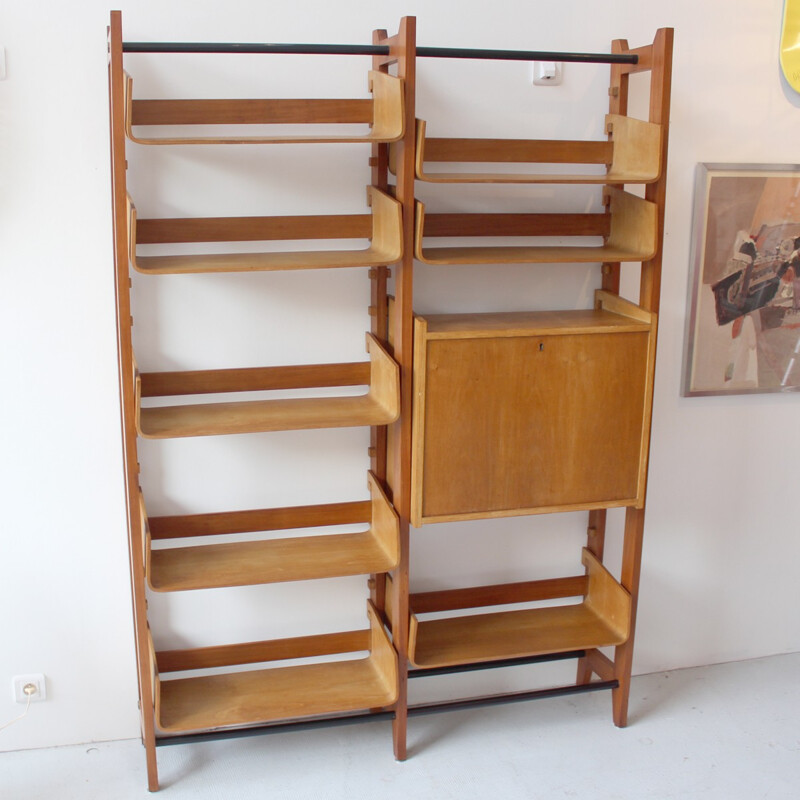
<point>402,51</point>
<point>657,58</point>
<point>649,297</point>
<point>379,312</point>
<point>126,387</point>
<point>596,531</point>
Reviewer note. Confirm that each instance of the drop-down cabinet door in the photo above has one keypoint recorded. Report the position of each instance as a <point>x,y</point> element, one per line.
<point>519,413</point>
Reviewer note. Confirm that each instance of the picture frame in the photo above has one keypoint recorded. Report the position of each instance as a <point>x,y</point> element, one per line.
<point>743,320</point>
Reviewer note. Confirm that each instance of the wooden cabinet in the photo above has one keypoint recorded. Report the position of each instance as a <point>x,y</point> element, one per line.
<point>524,413</point>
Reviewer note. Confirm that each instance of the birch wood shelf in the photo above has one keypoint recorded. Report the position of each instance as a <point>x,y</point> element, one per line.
<point>379,406</point>
<point>296,558</point>
<point>630,231</point>
<point>631,155</point>
<point>383,113</point>
<point>383,228</point>
<point>602,619</point>
<point>279,693</point>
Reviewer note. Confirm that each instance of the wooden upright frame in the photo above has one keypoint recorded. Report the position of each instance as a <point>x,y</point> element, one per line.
<point>394,408</point>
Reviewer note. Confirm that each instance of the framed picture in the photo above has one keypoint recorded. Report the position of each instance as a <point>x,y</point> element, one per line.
<point>743,326</point>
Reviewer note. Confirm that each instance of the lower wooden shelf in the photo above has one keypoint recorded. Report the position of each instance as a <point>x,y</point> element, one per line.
<point>238,699</point>
<point>602,619</point>
<point>380,406</point>
<point>286,559</point>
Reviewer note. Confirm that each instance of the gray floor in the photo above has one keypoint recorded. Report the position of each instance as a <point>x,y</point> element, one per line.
<point>729,731</point>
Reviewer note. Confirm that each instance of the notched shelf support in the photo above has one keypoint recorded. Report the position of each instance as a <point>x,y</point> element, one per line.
<point>383,113</point>
<point>286,559</point>
<point>379,406</point>
<point>383,228</point>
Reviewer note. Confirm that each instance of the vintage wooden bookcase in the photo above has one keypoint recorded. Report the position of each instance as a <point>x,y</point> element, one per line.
<point>472,416</point>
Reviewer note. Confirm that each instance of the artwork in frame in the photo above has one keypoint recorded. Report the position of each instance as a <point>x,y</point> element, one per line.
<point>743,326</point>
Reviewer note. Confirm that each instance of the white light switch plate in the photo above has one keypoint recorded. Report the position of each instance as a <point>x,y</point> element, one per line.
<point>2,63</point>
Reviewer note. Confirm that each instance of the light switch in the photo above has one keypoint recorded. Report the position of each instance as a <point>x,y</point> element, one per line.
<point>2,63</point>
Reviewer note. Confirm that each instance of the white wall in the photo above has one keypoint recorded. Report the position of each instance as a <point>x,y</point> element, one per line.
<point>721,540</point>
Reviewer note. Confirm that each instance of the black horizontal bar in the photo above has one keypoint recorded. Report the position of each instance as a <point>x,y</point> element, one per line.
<point>514,697</point>
<point>508,662</point>
<point>527,55</point>
<point>381,716</point>
<point>226,47</point>
<point>280,727</point>
<point>377,50</point>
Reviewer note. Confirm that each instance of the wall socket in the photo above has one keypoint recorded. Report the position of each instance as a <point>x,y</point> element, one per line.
<point>34,679</point>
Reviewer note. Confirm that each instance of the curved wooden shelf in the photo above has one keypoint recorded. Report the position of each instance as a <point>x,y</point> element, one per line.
<point>632,155</point>
<point>384,113</point>
<point>237,699</point>
<point>383,227</point>
<point>380,406</point>
<point>288,559</point>
<point>632,236</point>
<point>602,619</point>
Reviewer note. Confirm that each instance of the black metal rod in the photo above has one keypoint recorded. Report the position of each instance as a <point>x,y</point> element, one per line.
<point>281,727</point>
<point>377,50</point>
<point>515,697</point>
<point>508,662</point>
<point>381,716</point>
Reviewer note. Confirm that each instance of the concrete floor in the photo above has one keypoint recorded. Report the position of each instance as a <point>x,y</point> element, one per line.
<point>730,731</point>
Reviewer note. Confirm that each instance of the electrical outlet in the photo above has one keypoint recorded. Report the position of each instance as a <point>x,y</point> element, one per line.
<point>547,73</point>
<point>35,679</point>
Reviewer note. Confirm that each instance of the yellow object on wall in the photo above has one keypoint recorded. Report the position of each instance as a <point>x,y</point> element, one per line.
<point>790,43</point>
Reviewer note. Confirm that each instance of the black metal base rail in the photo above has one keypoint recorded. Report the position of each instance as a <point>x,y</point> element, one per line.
<point>508,662</point>
<point>377,716</point>
<point>377,50</point>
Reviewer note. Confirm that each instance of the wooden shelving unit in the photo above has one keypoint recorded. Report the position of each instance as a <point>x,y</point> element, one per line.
<point>472,416</point>
<point>228,687</point>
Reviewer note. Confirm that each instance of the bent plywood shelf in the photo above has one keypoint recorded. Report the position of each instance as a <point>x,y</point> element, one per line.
<point>238,699</point>
<point>632,235</point>
<point>383,227</point>
<point>380,406</point>
<point>383,113</point>
<point>602,619</point>
<point>632,155</point>
<point>287,559</point>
